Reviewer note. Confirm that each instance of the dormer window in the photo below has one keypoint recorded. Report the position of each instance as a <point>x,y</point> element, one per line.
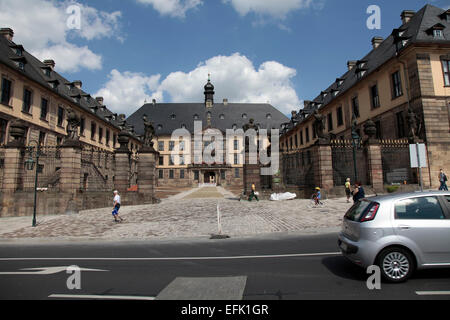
<point>173,116</point>
<point>339,82</point>
<point>335,93</point>
<point>244,116</point>
<point>222,117</point>
<point>268,116</point>
<point>446,16</point>
<point>323,94</point>
<point>20,62</point>
<point>438,34</point>
<point>196,117</point>
<point>159,127</point>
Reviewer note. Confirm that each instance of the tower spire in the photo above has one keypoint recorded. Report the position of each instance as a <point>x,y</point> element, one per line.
<point>209,93</point>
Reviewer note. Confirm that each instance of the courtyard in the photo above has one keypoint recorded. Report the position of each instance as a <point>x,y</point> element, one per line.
<point>189,214</point>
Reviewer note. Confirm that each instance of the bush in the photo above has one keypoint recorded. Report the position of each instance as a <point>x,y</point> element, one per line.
<point>392,189</point>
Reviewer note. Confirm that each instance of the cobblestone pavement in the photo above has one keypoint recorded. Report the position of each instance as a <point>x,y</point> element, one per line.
<point>192,213</point>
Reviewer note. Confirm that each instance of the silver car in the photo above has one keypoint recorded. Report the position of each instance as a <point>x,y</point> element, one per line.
<point>399,233</point>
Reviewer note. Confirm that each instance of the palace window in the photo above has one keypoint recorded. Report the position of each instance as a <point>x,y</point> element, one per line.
<point>236,173</point>
<point>301,137</point>
<point>93,130</point>
<point>160,145</point>
<point>171,174</point>
<point>161,161</point>
<point>378,126</point>
<point>171,145</point>
<point>27,100</point>
<point>340,117</point>
<point>181,174</point>
<point>82,126</point>
<point>236,159</point>
<point>6,91</point>
<point>307,134</point>
<point>161,174</point>
<point>330,122</point>
<point>401,133</point>
<point>107,137</point>
<point>3,125</point>
<point>355,107</point>
<point>60,116</point>
<point>44,108</point>
<point>397,85</point>
<point>375,97</point>
<point>446,68</point>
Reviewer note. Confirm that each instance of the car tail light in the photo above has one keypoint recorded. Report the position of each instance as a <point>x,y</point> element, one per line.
<point>370,215</point>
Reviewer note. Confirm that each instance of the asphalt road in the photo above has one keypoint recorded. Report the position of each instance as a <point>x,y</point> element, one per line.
<point>276,267</point>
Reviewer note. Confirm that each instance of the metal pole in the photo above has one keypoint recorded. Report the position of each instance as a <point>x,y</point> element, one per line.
<point>35,186</point>
<point>354,162</point>
<point>420,167</point>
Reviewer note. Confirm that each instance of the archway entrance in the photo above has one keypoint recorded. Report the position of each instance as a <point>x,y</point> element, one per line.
<point>210,177</point>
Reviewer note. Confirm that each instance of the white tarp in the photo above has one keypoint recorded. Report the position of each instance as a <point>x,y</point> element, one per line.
<point>283,196</point>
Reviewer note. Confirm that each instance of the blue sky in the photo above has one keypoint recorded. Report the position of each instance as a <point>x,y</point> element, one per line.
<point>134,50</point>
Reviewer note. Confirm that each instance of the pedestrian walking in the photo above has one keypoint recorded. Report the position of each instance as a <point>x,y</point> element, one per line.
<point>317,196</point>
<point>358,192</point>
<point>254,194</point>
<point>115,212</point>
<point>443,180</point>
<point>348,190</point>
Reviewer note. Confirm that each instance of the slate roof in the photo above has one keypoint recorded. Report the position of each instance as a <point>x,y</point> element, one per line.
<point>416,31</point>
<point>161,114</point>
<point>34,70</point>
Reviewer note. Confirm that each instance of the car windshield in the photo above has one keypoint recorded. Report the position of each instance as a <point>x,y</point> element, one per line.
<point>355,212</point>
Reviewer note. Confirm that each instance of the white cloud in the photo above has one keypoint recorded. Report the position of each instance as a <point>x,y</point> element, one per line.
<point>274,8</point>
<point>172,8</point>
<point>124,92</point>
<point>41,26</point>
<point>234,77</point>
<point>70,58</point>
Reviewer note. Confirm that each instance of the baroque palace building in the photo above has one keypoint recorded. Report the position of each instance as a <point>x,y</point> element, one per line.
<point>405,76</point>
<point>168,117</point>
<point>33,93</point>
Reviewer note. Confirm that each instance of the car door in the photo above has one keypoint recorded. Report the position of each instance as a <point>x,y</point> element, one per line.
<point>423,223</point>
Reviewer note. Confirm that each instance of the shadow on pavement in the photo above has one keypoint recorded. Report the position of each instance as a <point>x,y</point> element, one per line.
<point>343,268</point>
<point>432,274</point>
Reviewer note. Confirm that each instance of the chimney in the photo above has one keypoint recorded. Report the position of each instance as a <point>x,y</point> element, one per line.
<point>78,84</point>
<point>376,41</point>
<point>225,102</point>
<point>99,100</point>
<point>8,33</point>
<point>351,64</point>
<point>50,63</point>
<point>407,15</point>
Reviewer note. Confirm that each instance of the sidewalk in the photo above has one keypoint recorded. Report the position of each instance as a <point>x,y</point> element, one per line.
<point>190,214</point>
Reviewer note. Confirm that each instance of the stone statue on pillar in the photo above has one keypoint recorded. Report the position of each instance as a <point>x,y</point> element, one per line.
<point>319,128</point>
<point>415,126</point>
<point>73,123</point>
<point>149,132</point>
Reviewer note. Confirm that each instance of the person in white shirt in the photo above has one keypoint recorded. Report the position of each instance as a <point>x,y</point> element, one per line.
<point>115,212</point>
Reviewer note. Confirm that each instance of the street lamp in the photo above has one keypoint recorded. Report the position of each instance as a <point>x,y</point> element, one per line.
<point>356,143</point>
<point>30,165</point>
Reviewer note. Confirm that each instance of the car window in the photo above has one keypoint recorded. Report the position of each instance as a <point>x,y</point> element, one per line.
<point>355,212</point>
<point>424,208</point>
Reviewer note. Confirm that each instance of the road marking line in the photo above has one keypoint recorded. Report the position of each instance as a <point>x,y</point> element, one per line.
<point>300,255</point>
<point>433,293</point>
<point>75,296</point>
<point>46,271</point>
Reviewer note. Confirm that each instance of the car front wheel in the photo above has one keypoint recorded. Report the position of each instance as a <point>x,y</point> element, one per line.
<point>396,264</point>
